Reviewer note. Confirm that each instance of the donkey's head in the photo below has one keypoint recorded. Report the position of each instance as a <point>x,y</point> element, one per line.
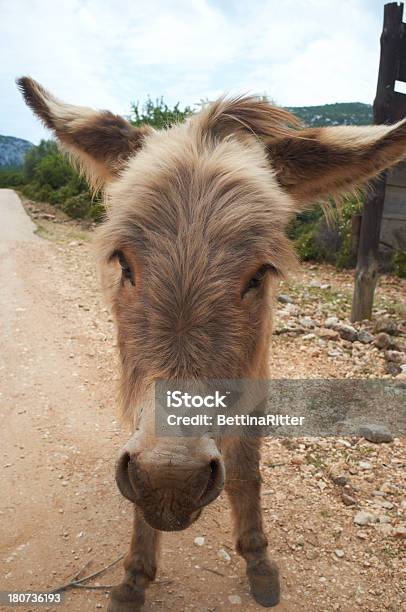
<point>193,241</point>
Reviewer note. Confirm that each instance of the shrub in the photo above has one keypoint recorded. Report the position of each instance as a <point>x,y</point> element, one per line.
<point>317,239</point>
<point>399,263</point>
<point>11,177</point>
<point>158,114</point>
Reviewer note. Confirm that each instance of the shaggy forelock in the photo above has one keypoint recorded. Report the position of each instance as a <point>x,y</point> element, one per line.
<point>221,192</point>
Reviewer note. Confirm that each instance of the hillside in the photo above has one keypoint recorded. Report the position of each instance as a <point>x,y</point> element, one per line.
<point>341,113</point>
<point>12,151</point>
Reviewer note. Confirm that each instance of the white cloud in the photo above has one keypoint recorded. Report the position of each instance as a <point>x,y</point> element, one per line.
<point>106,53</point>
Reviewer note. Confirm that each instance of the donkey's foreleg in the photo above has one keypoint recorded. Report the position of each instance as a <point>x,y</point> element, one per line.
<point>140,567</point>
<point>243,485</point>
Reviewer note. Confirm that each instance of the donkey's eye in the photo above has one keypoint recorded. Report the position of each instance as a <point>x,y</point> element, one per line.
<point>126,272</point>
<point>256,280</point>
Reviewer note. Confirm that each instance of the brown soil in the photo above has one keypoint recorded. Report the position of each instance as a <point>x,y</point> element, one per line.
<point>59,505</point>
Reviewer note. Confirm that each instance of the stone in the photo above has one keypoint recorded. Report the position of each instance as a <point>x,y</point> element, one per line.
<point>387,326</point>
<point>386,504</point>
<point>376,433</point>
<point>331,322</point>
<point>383,518</point>
<point>399,532</point>
<point>199,541</point>
<point>339,553</point>
<point>285,299</point>
<point>328,334</point>
<point>223,554</point>
<point>385,529</point>
<point>307,322</point>
<point>382,341</point>
<point>348,500</point>
<point>364,518</point>
<point>392,368</point>
<point>347,332</point>
<point>395,357</point>
<point>235,600</point>
<point>365,337</point>
<point>365,465</point>
<point>339,479</point>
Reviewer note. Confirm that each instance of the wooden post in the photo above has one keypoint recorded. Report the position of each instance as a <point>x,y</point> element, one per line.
<point>386,108</point>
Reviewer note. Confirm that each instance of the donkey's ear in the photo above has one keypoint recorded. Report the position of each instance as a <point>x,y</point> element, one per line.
<point>98,141</point>
<point>316,163</point>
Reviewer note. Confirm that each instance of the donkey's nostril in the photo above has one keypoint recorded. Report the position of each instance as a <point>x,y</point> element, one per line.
<point>215,483</point>
<point>214,468</point>
<point>123,478</point>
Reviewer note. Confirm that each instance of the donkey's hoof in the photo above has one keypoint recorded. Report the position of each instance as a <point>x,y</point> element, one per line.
<point>123,598</point>
<point>263,577</point>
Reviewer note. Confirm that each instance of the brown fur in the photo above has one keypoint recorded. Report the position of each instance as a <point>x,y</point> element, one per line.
<point>193,213</point>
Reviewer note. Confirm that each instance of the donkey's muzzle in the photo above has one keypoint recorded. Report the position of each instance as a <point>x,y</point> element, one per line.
<point>171,485</point>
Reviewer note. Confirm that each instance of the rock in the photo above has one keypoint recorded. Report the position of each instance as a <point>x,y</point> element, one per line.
<point>307,322</point>
<point>199,541</point>
<point>285,299</point>
<point>392,368</point>
<point>331,322</point>
<point>347,499</point>
<point>328,334</point>
<point>339,479</point>
<point>382,341</point>
<point>399,532</point>
<point>365,337</point>
<point>235,600</point>
<point>383,519</point>
<point>376,433</point>
<point>223,554</point>
<point>347,332</point>
<point>386,504</point>
<point>364,518</point>
<point>339,553</point>
<point>385,529</point>
<point>365,465</point>
<point>387,326</point>
<point>395,357</point>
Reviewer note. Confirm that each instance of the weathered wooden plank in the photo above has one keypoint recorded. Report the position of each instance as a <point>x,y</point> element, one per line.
<point>397,175</point>
<point>398,105</point>
<point>393,234</point>
<point>388,107</point>
<point>395,202</point>
<point>401,71</point>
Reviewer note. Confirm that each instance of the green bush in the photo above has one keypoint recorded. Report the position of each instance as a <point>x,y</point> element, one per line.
<point>49,177</point>
<point>11,177</point>
<point>158,114</point>
<point>319,239</point>
<point>399,263</point>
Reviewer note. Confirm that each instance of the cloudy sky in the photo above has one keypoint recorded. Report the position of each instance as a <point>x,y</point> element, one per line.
<point>107,53</point>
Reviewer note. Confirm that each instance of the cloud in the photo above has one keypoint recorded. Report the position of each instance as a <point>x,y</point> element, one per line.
<point>107,53</point>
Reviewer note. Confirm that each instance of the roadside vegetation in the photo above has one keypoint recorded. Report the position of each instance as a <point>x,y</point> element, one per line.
<point>47,176</point>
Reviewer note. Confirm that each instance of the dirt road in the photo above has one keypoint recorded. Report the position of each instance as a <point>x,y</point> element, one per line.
<point>59,507</point>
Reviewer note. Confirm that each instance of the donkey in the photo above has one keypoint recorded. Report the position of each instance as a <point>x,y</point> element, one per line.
<point>192,247</point>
